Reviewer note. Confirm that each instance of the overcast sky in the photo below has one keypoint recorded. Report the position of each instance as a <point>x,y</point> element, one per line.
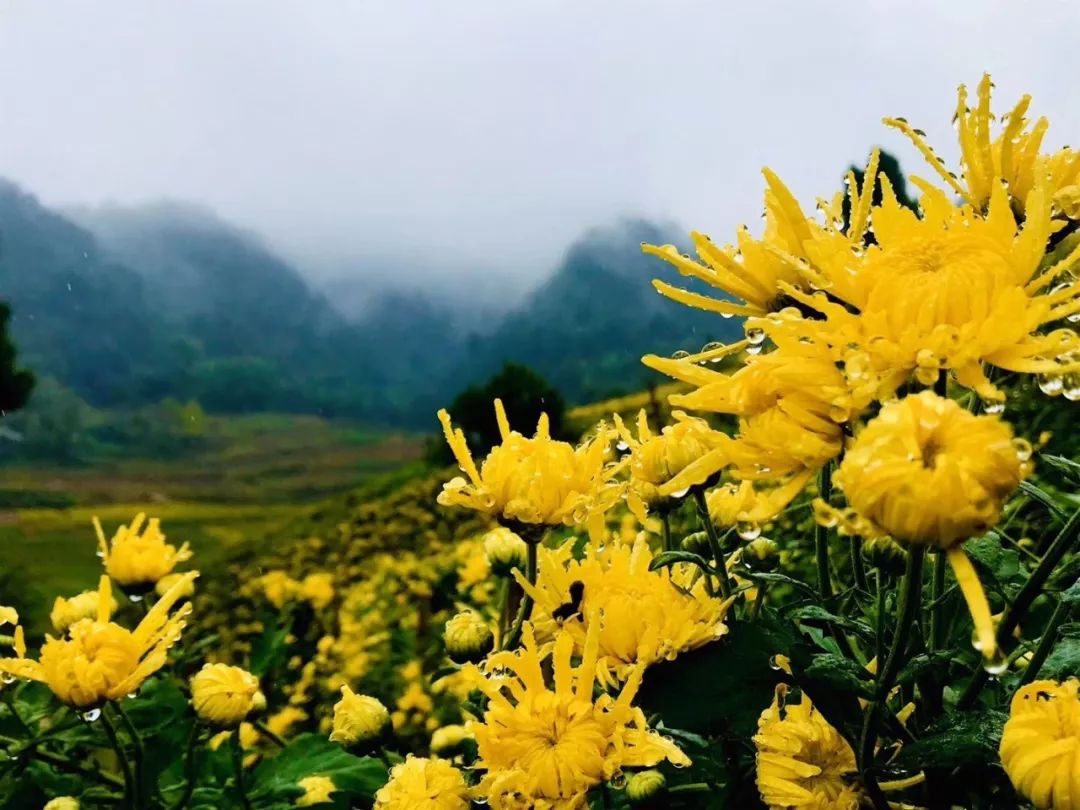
<point>486,135</point>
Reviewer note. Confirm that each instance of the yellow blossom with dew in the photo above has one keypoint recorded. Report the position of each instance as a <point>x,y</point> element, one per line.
<point>544,748</point>
<point>802,761</point>
<point>751,503</point>
<point>65,612</point>
<point>423,784</point>
<point>317,790</point>
<point>99,660</point>
<point>949,290</point>
<point>1040,745</point>
<point>359,720</point>
<point>538,481</point>
<point>928,472</point>
<point>318,589</point>
<point>166,582</point>
<point>1014,156</point>
<point>655,459</point>
<point>224,695</point>
<point>641,616</point>
<point>137,556</point>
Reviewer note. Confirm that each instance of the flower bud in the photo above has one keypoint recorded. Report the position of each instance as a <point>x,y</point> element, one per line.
<point>317,790</point>
<point>645,787</point>
<point>360,721</point>
<point>885,553</point>
<point>468,637</point>
<point>761,554</point>
<point>225,695</point>
<point>166,582</point>
<point>449,740</point>
<point>62,803</point>
<point>66,612</point>
<point>697,543</point>
<point>505,551</point>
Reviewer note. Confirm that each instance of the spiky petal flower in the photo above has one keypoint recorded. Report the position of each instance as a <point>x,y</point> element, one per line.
<point>544,748</point>
<point>1040,745</point>
<point>537,481</point>
<point>138,556</point>
<point>928,472</point>
<point>802,761</point>
<point>99,660</point>
<point>641,617</point>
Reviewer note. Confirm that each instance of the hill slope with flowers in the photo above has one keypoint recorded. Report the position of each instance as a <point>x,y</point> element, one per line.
<point>842,572</point>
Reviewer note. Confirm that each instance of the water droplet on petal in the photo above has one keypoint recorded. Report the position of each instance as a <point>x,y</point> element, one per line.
<point>92,715</point>
<point>681,493</point>
<point>996,664</point>
<point>748,531</point>
<point>1051,384</point>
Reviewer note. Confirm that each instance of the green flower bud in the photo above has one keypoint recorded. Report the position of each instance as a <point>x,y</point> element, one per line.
<point>468,637</point>
<point>761,554</point>
<point>505,551</point>
<point>885,553</point>
<point>645,787</point>
<point>697,543</point>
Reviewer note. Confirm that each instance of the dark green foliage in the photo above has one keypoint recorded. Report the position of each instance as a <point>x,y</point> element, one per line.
<point>15,383</point>
<point>890,167</point>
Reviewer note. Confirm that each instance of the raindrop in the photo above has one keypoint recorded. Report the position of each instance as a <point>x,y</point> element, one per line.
<point>755,335</point>
<point>994,406</point>
<point>622,446</point>
<point>753,349</point>
<point>727,314</point>
<point>1051,384</point>
<point>618,780</point>
<point>91,715</point>
<point>996,664</point>
<point>1073,318</point>
<point>135,598</point>
<point>681,493</point>
<point>1023,449</point>
<point>748,531</point>
<point>712,347</point>
<point>7,678</point>
<point>680,355</point>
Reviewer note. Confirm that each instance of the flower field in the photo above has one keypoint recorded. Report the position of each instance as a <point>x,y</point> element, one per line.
<point>832,565</point>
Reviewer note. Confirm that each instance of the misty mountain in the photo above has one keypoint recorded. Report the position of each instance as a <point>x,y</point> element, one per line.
<point>129,305</point>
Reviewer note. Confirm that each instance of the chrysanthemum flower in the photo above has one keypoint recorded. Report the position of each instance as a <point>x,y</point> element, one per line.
<point>1014,156</point>
<point>928,472</point>
<point>318,589</point>
<point>655,459</point>
<point>317,790</point>
<point>753,503</point>
<point>1040,746</point>
<point>279,588</point>
<point>504,551</point>
<point>949,290</point>
<point>66,612</point>
<point>641,616</point>
<point>448,740</point>
<point>359,720</point>
<point>423,784</point>
<point>225,695</point>
<point>139,557</point>
<point>802,761</point>
<point>544,748</point>
<point>537,481</point>
<point>99,660</point>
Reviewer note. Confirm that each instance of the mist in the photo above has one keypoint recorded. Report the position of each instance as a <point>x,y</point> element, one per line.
<point>461,147</point>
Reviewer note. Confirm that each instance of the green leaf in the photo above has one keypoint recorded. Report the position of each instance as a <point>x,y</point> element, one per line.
<point>840,673</point>
<point>962,738</point>
<point>816,613</point>
<point>1064,660</point>
<point>935,664</point>
<point>356,778</point>
<point>270,649</point>
<point>995,561</point>
<point>666,558</point>
<point>1042,496</point>
<point>1071,595</point>
<point>1069,468</point>
<point>770,578</point>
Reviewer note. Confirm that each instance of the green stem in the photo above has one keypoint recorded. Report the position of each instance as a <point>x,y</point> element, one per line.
<point>759,600</point>
<point>1046,643</point>
<point>906,608</point>
<point>137,744</point>
<point>879,622</point>
<point>665,530</point>
<point>525,610</point>
<point>937,604</point>
<point>266,732</point>
<point>858,569</point>
<point>62,763</point>
<point>9,701</point>
<point>190,772</point>
<point>821,539</point>
<point>504,607</point>
<point>714,541</point>
<point>125,766</point>
<point>692,787</point>
<point>238,765</point>
<point>1020,604</point>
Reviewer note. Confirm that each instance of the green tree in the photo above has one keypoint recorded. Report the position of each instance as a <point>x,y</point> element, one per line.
<point>888,166</point>
<point>15,383</point>
<point>524,394</point>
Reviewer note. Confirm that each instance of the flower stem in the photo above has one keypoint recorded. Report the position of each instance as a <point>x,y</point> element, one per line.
<point>714,541</point>
<point>190,772</point>
<point>909,598</point>
<point>525,610</point>
<point>138,754</point>
<point>263,729</point>
<point>937,606</point>
<point>821,538</point>
<point>858,570</point>
<point>665,530</point>
<point>1020,604</point>
<point>9,701</point>
<point>125,766</point>
<point>1046,643</point>
<point>238,765</point>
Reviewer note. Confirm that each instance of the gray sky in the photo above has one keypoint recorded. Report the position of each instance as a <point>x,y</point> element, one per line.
<point>483,136</point>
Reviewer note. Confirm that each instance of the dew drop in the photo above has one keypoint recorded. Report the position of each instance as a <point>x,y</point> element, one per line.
<point>755,335</point>
<point>622,446</point>
<point>680,355</point>
<point>727,314</point>
<point>712,346</point>
<point>135,598</point>
<point>774,663</point>
<point>7,678</point>
<point>681,493</point>
<point>1051,384</point>
<point>994,406</point>
<point>92,715</point>
<point>1023,449</point>
<point>618,780</point>
<point>748,531</point>
<point>753,349</point>
<point>996,664</point>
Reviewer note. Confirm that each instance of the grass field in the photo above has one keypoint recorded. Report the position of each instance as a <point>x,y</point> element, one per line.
<point>253,477</point>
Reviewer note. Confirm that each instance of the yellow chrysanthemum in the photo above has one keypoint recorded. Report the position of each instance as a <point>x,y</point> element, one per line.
<point>317,790</point>
<point>949,290</point>
<point>537,481</point>
<point>318,589</point>
<point>62,803</point>
<point>224,695</point>
<point>544,748</point>
<point>641,617</point>
<point>748,502</point>
<point>655,459</point>
<point>99,660</point>
<point>279,588</point>
<point>504,551</point>
<point>468,637</point>
<point>1040,746</point>
<point>359,720</point>
<point>448,740</point>
<point>423,784</point>
<point>802,761</point>
<point>1013,156</point>
<point>66,612</point>
<point>928,472</point>
<point>166,582</point>
<point>139,557</point>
